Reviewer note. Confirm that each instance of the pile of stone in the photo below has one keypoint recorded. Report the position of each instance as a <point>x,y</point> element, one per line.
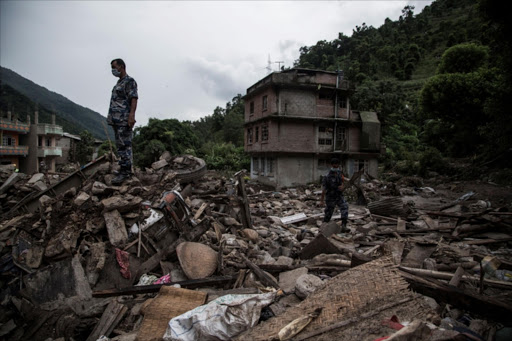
<point>91,257</point>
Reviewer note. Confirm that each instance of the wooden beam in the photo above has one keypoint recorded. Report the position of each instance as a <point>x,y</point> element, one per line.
<point>480,305</point>
<point>265,279</point>
<point>144,289</point>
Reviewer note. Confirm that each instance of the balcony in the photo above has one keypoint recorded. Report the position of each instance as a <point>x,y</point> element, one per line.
<point>9,125</point>
<point>14,150</point>
<point>49,151</point>
<point>49,129</point>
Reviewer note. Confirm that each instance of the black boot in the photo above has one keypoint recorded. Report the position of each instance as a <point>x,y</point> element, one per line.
<point>344,227</point>
<point>122,175</point>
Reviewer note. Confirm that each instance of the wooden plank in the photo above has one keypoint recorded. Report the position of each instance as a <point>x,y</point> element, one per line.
<point>417,255</point>
<point>109,320</point>
<point>265,279</point>
<point>144,289</point>
<point>200,211</point>
<point>400,225</point>
<point>243,201</point>
<point>449,276</point>
<point>431,223</point>
<point>488,307</point>
<point>457,276</point>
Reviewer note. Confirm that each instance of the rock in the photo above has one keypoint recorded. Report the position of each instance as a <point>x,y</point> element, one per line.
<point>159,164</point>
<point>35,178</point>
<point>81,199</point>
<point>228,221</point>
<point>44,200</point>
<point>64,241</point>
<point>288,279</point>
<point>250,234</point>
<point>330,228</point>
<point>307,284</point>
<point>284,260</point>
<point>121,203</point>
<point>116,229</point>
<point>98,188</point>
<point>197,260</point>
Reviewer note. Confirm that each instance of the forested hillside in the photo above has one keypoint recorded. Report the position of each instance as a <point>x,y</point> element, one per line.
<point>73,117</point>
<point>439,81</point>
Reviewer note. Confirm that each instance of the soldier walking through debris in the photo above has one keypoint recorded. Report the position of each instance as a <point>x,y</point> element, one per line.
<point>121,116</point>
<point>332,192</point>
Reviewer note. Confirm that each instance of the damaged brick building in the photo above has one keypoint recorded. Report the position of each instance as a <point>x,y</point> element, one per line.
<point>297,120</point>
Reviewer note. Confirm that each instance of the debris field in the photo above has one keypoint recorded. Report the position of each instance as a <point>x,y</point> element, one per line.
<point>181,253</point>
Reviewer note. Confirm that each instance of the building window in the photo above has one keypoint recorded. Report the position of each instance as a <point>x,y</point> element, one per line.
<point>325,95</point>
<point>251,108</point>
<point>325,142</point>
<point>324,163</point>
<point>322,129</point>
<point>358,164</point>
<point>264,132</point>
<point>264,103</point>
<point>256,134</point>
<point>255,165</point>
<point>262,165</point>
<point>8,140</point>
<point>342,102</point>
<point>270,166</point>
<point>341,134</point>
<point>249,135</point>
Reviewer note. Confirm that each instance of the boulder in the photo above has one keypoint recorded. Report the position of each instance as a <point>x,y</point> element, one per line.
<point>307,284</point>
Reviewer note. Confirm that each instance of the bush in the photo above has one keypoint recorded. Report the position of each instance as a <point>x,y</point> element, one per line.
<point>432,160</point>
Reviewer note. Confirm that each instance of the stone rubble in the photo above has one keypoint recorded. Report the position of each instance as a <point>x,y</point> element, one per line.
<point>52,261</point>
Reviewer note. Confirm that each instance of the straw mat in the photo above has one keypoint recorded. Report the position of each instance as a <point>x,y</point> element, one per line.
<point>169,303</point>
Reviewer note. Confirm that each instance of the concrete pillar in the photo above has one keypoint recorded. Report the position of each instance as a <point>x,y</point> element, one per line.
<point>36,116</point>
<point>53,119</point>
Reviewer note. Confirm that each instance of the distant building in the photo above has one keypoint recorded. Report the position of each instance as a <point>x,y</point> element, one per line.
<point>68,143</point>
<point>27,145</point>
<point>11,151</point>
<point>297,120</point>
<point>42,142</point>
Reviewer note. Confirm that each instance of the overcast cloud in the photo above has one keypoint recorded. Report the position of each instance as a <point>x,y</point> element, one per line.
<point>187,57</point>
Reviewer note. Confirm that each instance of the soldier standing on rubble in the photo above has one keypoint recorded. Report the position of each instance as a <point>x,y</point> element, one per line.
<point>332,191</point>
<point>121,116</point>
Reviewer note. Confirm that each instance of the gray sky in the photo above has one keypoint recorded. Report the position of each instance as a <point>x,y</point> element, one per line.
<point>187,56</point>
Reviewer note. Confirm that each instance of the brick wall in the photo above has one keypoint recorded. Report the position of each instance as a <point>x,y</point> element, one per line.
<point>297,103</point>
<point>258,105</point>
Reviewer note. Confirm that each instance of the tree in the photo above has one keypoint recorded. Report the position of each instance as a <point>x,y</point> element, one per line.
<point>85,148</point>
<point>150,141</point>
<point>463,58</point>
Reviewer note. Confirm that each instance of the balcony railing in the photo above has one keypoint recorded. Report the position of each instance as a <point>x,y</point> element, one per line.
<point>49,129</point>
<point>14,126</point>
<point>14,150</point>
<point>49,151</point>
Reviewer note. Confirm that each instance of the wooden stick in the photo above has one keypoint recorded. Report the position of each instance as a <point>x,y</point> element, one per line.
<point>448,276</point>
<point>265,279</point>
<point>457,277</point>
<point>352,320</point>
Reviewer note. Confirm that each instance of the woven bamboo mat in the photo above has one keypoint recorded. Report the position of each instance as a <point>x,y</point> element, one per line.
<point>345,296</point>
<point>169,303</point>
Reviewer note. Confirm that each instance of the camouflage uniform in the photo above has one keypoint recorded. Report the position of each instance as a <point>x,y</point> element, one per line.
<point>334,197</point>
<point>120,102</point>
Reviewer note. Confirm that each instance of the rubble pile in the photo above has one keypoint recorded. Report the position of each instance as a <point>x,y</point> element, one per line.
<point>84,260</point>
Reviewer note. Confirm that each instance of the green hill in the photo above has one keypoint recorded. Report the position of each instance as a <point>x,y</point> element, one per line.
<point>20,95</point>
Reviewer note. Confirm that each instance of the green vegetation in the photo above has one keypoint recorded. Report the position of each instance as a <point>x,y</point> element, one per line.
<point>439,81</point>
<point>85,148</point>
